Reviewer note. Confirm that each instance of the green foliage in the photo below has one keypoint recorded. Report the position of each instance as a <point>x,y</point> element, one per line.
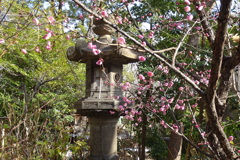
<point>37,88</point>
<point>156,144</point>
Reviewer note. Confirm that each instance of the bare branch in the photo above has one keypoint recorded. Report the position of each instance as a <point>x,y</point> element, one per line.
<point>181,42</point>
<point>7,11</point>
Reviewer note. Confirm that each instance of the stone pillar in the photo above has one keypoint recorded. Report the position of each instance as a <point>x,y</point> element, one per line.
<point>103,138</point>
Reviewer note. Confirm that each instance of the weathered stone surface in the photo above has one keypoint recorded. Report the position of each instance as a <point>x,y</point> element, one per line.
<point>103,141</point>
<point>92,103</point>
<point>103,29</point>
<point>110,53</point>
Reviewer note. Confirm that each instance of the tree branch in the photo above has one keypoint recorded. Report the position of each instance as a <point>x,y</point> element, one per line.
<point>216,66</point>
<point>205,24</point>
<point>181,42</point>
<point>7,11</point>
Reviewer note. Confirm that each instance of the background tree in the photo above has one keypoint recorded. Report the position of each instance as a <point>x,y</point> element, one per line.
<point>38,84</point>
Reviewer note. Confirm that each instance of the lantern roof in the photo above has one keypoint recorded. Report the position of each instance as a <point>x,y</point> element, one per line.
<point>110,52</point>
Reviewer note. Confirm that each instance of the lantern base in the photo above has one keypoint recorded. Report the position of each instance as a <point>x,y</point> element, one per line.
<point>103,138</point>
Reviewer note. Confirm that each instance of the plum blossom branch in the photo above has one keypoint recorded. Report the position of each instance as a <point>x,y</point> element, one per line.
<point>190,142</point>
<point>163,60</point>
<point>199,130</point>
<point>180,44</point>
<point>135,24</point>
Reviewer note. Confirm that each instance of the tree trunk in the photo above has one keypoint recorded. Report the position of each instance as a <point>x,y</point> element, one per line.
<point>144,132</point>
<point>175,145</point>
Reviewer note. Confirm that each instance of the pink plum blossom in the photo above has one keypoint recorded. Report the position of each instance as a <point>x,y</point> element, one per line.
<point>170,84</point>
<point>141,58</point>
<point>200,7</point>
<point>198,28</point>
<point>197,82</point>
<point>190,17</point>
<point>47,30</point>
<point>150,74</point>
<point>190,53</point>
<point>99,62</point>
<point>203,134</point>
<point>121,40</point>
<point>91,46</point>
<point>2,41</point>
<point>119,20</point>
<point>187,9</point>
<point>104,14</point>
<point>121,108</point>
<point>24,51</point>
<point>96,51</point>
<point>80,16</point>
<point>177,106</point>
<point>187,2</point>
<point>48,43</point>
<point>47,36</point>
<point>139,119</point>
<point>163,124</point>
<point>159,67</point>
<point>36,21</point>
<point>170,100</point>
<point>37,49</point>
<point>230,138</point>
<point>111,112</point>
<point>194,105</point>
<point>181,88</point>
<point>140,36</point>
<point>175,127</point>
<point>68,37</point>
<point>150,36</point>
<point>51,19</point>
<point>165,70</point>
<point>143,43</point>
<point>125,86</point>
<point>141,77</point>
<point>180,101</point>
<point>48,46</point>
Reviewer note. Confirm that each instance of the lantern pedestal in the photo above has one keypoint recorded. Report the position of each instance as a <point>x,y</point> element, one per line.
<point>103,138</point>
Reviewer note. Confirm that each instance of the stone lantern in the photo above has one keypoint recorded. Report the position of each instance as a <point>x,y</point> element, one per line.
<point>102,87</point>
